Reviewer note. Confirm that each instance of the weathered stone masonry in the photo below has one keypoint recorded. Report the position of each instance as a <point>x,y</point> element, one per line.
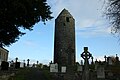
<point>64,44</point>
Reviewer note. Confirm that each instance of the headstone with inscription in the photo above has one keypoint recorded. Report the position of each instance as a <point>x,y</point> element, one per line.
<point>63,69</point>
<point>54,67</point>
<point>100,72</point>
<point>110,61</point>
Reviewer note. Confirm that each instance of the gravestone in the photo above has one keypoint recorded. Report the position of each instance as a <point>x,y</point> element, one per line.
<point>37,62</point>
<point>81,62</point>
<point>110,74</point>
<point>117,58</point>
<point>12,64</point>
<point>21,65</point>
<point>16,59</point>
<point>28,60</point>
<point>54,67</point>
<point>96,64</point>
<point>9,63</point>
<point>63,69</point>
<point>33,66</point>
<point>100,72</point>
<point>4,65</point>
<point>110,62</point>
<point>24,63</point>
<point>105,58</point>
<point>17,65</point>
<point>86,56</point>
<point>92,60</point>
<point>79,68</point>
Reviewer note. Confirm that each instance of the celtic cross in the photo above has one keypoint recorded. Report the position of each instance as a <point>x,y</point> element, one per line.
<point>86,56</point>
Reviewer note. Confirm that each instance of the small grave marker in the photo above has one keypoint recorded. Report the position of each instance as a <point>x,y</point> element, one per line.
<point>63,69</point>
<point>54,67</point>
<point>100,72</point>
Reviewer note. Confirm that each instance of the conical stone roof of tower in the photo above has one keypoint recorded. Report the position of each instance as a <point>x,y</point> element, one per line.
<point>65,12</point>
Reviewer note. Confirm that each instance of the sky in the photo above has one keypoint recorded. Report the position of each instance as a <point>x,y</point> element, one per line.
<point>92,31</point>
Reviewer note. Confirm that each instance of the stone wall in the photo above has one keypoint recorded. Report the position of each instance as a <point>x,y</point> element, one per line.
<point>3,54</point>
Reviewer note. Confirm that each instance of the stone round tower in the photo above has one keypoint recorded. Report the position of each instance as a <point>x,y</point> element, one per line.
<point>64,43</point>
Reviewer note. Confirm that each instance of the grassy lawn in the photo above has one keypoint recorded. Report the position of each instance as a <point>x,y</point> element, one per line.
<point>20,75</point>
<point>26,73</point>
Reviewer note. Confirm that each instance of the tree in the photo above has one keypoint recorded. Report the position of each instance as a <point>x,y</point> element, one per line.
<point>20,14</point>
<point>113,14</point>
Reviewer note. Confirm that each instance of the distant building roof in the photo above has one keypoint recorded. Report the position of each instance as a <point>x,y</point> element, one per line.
<point>3,49</point>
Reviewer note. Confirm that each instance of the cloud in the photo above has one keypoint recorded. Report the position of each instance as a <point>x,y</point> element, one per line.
<point>93,28</point>
<point>99,58</point>
<point>87,14</point>
<point>46,61</point>
<point>77,7</point>
<point>87,23</point>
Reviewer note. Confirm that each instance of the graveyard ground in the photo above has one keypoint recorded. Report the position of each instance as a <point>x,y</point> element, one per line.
<point>32,74</point>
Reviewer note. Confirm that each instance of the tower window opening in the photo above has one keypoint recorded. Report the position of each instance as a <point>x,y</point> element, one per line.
<point>67,19</point>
